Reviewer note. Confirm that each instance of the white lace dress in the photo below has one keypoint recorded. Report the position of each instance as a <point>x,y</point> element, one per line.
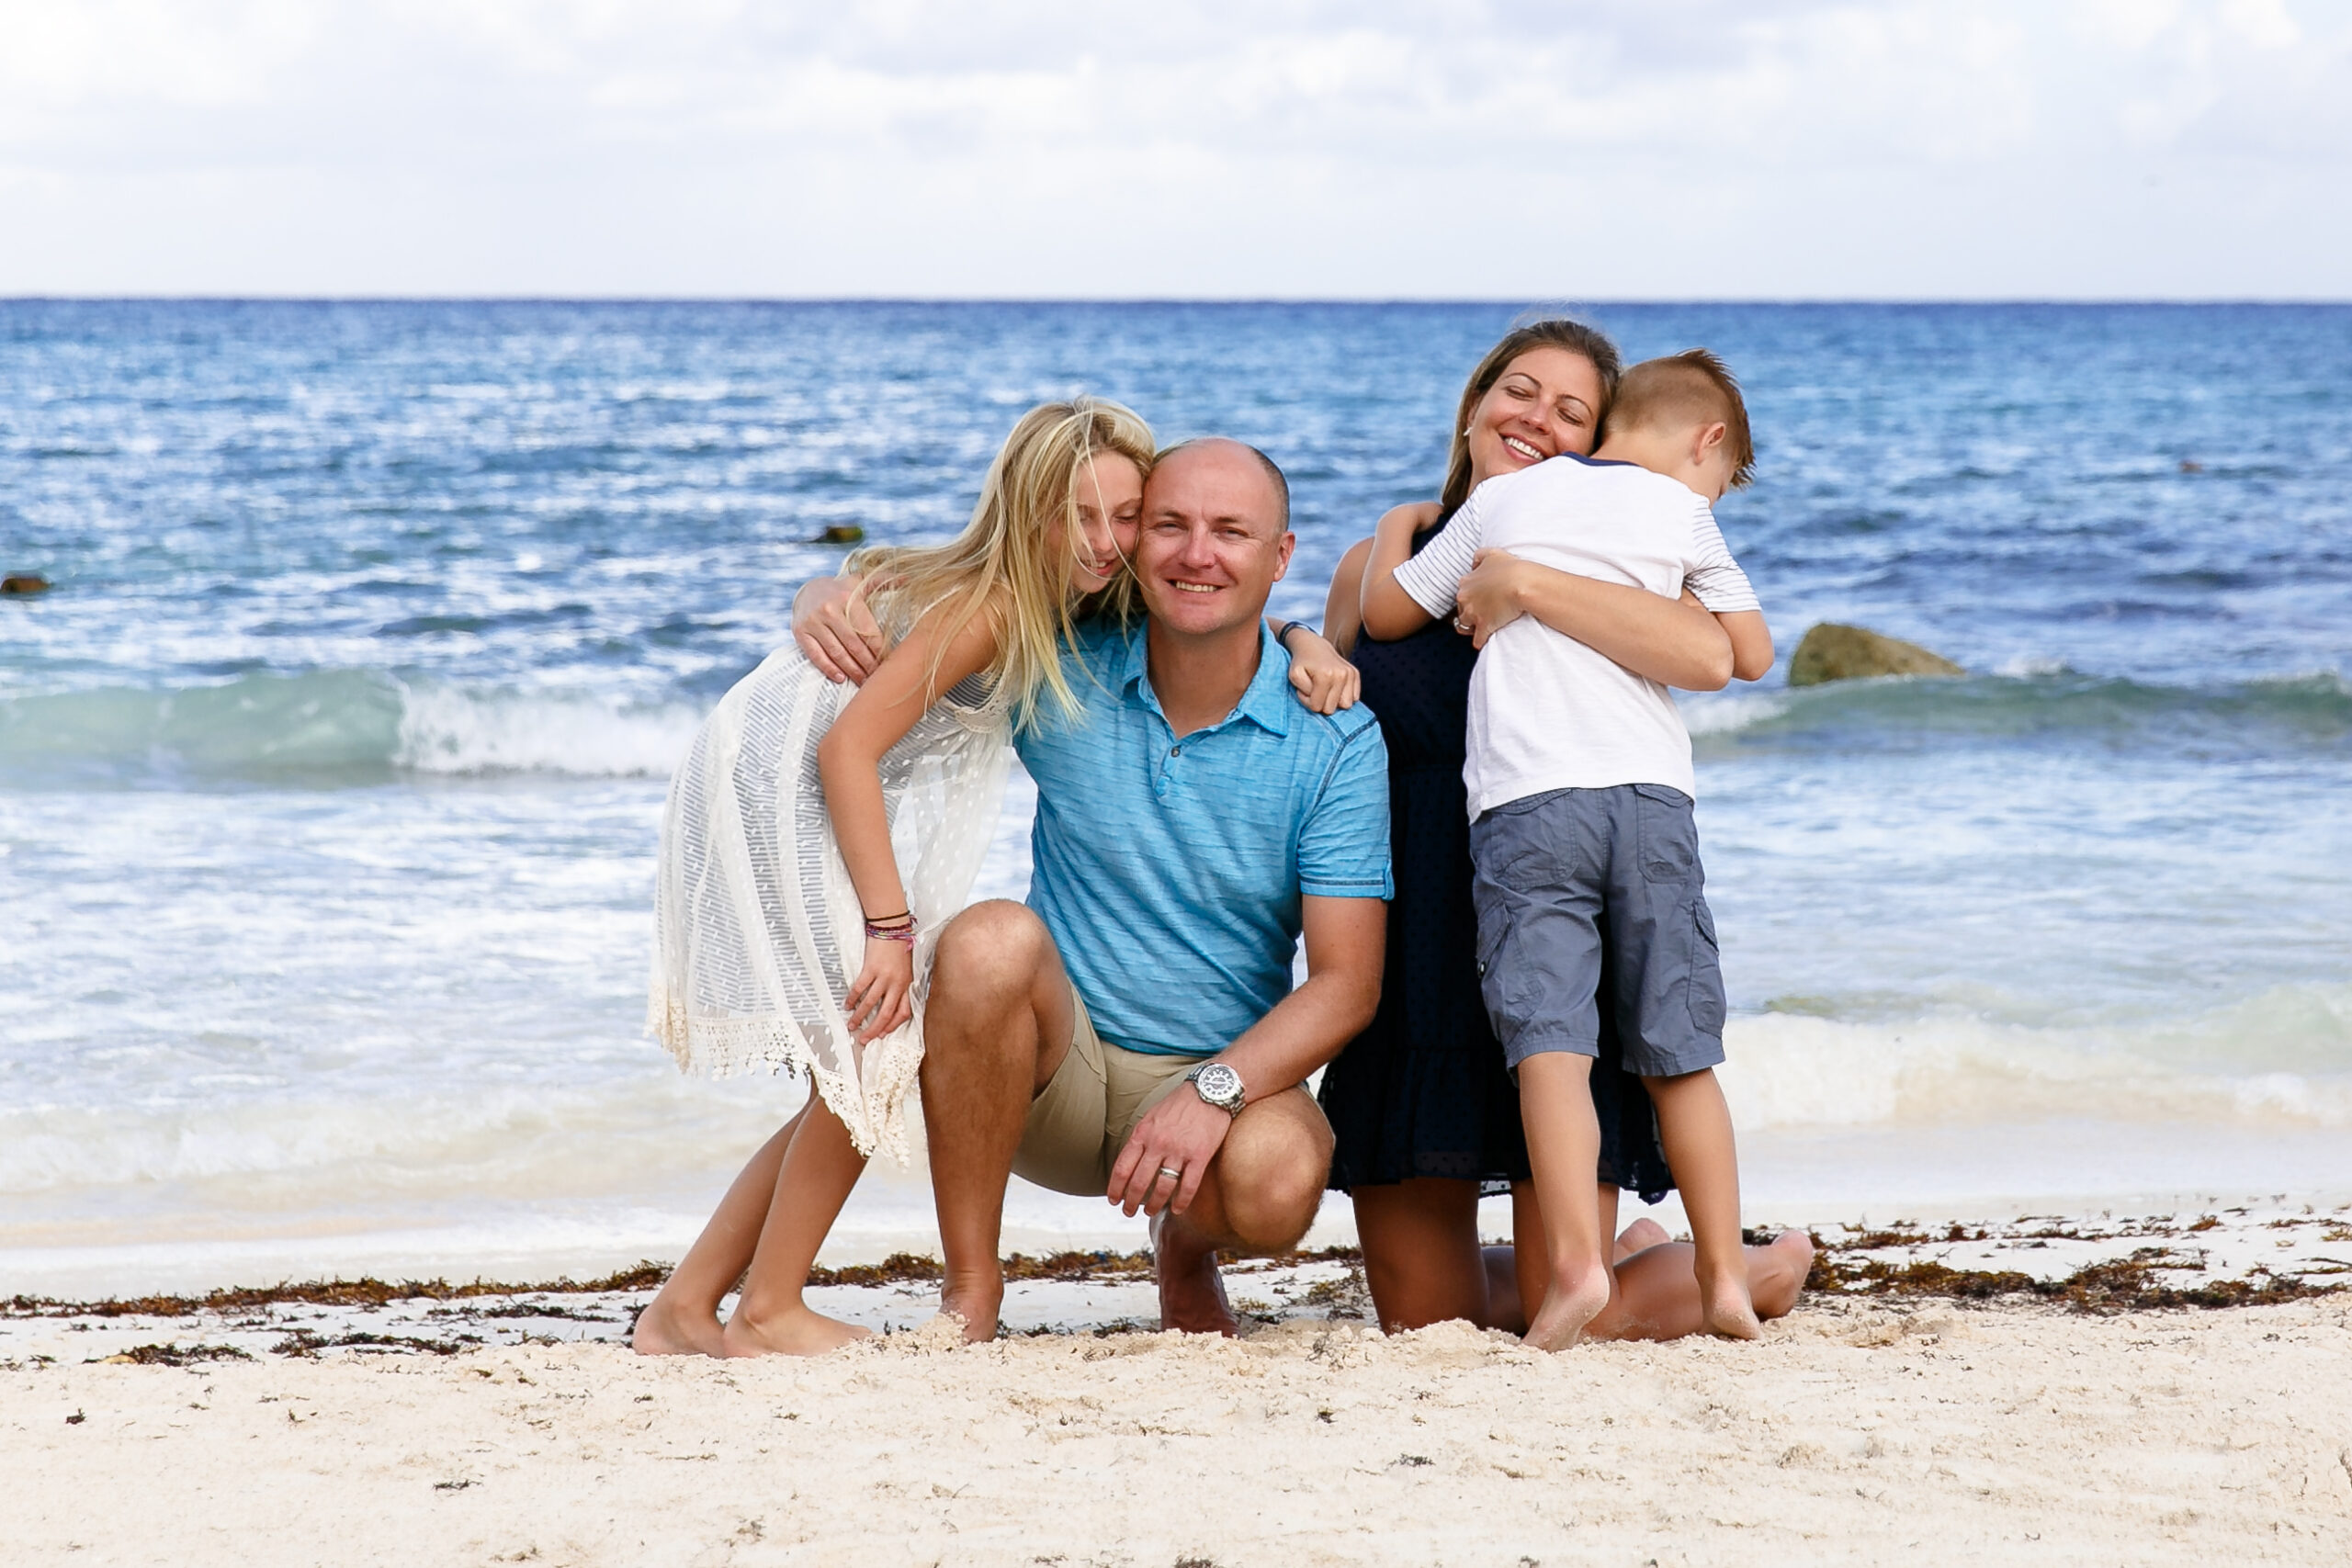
<point>758,932</point>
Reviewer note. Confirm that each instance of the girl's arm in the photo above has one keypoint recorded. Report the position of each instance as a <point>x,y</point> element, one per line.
<point>1388,611</point>
<point>849,762</point>
<point>1675,642</point>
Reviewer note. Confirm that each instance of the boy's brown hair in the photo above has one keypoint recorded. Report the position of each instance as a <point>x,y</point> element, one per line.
<point>1683,389</point>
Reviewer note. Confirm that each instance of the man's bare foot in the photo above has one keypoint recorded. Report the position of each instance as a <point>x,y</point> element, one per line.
<point>1572,1302</point>
<point>1639,1237</point>
<point>799,1331</point>
<point>975,1303</point>
<point>665,1328</point>
<point>1726,1309</point>
<point>1192,1292</point>
<point>1777,1273</point>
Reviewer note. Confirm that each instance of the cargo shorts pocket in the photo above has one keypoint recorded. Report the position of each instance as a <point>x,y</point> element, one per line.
<point>1667,832</point>
<point>1706,988</point>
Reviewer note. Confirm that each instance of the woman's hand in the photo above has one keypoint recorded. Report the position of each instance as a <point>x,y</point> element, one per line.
<point>1325,681</point>
<point>882,996</point>
<point>1489,599</point>
<point>835,629</point>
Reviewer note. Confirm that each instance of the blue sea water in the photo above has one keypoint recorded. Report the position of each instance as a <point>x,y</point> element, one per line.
<point>329,769</point>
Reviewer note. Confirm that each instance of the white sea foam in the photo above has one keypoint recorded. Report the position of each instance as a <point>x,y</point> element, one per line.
<point>1722,713</point>
<point>452,730</point>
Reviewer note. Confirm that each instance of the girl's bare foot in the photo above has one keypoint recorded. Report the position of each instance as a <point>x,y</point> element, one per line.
<point>1639,1237</point>
<point>665,1328</point>
<point>1572,1302</point>
<point>798,1331</point>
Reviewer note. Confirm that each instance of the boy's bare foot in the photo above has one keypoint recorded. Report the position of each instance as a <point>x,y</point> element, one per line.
<point>798,1332</point>
<point>1726,1309</point>
<point>1639,1237</point>
<point>1192,1292</point>
<point>1572,1302</point>
<point>974,1303</point>
<point>664,1329</point>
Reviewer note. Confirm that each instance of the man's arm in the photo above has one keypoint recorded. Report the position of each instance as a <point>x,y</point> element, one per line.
<point>1346,940</point>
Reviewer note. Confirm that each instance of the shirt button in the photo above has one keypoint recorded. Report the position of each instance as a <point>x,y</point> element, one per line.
<point>1175,750</point>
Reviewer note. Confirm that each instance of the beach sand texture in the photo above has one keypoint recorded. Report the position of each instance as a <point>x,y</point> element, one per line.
<point>1858,1431</point>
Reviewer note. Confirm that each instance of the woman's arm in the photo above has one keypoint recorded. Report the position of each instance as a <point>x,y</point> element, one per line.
<point>1751,643</point>
<point>1672,641</point>
<point>849,762</point>
<point>1343,606</point>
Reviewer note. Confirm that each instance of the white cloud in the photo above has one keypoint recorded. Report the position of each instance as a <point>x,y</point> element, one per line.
<point>1282,147</point>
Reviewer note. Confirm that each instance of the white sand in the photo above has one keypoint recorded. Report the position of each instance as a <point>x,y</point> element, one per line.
<point>1859,1431</point>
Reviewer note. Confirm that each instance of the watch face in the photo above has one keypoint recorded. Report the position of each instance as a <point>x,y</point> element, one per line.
<point>1218,1084</point>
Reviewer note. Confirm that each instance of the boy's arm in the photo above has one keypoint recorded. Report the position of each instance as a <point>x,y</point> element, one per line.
<point>1715,581</point>
<point>1403,591</point>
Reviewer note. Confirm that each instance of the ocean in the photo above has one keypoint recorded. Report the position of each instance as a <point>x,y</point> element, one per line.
<point>330,768</point>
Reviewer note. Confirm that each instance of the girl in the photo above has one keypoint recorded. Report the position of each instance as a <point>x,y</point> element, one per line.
<point>816,837</point>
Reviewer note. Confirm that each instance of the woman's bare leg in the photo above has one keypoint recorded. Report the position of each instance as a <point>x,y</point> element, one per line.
<point>1658,1288</point>
<point>819,1167</point>
<point>1420,1252</point>
<point>682,1318</point>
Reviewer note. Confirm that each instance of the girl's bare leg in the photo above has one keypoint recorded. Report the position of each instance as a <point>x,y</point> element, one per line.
<point>819,1167</point>
<point>1563,1147</point>
<point>682,1318</point>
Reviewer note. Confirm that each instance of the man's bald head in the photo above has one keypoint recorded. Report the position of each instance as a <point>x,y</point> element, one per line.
<point>1226,449</point>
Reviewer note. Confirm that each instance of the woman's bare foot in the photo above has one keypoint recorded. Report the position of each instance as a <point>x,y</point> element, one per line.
<point>1639,1237</point>
<point>1777,1273</point>
<point>670,1328</point>
<point>798,1331</point>
<point>1192,1292</point>
<point>1572,1302</point>
<point>1726,1308</point>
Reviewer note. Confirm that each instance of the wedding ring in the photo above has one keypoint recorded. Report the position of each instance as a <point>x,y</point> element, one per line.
<point>1460,624</point>
<point>1171,1175</point>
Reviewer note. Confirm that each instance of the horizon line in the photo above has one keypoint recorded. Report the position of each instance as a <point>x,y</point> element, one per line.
<point>1497,302</point>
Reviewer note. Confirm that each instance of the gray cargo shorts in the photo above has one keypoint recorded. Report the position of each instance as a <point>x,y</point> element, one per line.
<point>1582,890</point>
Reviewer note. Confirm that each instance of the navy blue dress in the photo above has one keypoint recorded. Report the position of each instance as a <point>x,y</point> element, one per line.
<point>1423,1092</point>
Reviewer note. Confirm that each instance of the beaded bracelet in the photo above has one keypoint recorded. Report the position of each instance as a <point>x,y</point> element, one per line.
<point>899,926</point>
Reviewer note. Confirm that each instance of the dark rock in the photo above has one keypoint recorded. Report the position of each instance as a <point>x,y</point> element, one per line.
<point>840,533</point>
<point>1832,652</point>
<point>23,583</point>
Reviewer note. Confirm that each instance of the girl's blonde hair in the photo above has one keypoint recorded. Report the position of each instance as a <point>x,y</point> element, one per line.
<point>1005,563</point>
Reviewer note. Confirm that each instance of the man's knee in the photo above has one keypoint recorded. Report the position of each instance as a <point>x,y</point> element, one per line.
<point>1272,1170</point>
<point>992,951</point>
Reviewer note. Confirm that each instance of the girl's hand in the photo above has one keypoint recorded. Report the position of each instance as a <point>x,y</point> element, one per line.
<point>1488,600</point>
<point>882,996</point>
<point>1325,681</point>
<point>834,628</point>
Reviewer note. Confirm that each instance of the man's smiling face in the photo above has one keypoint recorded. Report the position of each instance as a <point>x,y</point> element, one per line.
<point>1214,540</point>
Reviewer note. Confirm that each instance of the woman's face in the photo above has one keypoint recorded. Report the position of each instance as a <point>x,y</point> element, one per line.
<point>1545,402</point>
<point>1110,505</point>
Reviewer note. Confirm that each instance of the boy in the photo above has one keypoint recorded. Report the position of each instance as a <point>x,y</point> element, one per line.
<point>1581,833</point>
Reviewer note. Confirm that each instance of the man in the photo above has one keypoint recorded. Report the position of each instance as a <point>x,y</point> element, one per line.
<point>1131,1029</point>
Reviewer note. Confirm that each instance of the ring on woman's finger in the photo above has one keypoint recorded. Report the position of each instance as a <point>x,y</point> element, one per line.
<point>1460,624</point>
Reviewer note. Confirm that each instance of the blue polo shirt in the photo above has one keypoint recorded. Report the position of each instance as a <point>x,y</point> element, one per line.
<point>1169,872</point>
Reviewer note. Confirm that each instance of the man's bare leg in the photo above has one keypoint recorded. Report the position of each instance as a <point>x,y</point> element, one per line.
<point>682,1318</point>
<point>1694,1123</point>
<point>1563,1147</point>
<point>820,1169</point>
<point>997,1026</point>
<point>1258,1196</point>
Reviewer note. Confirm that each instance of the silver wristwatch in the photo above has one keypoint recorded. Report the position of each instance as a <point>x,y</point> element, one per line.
<point>1220,1086</point>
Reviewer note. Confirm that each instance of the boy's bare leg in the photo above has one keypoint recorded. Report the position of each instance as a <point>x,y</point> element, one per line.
<point>682,1318</point>
<point>819,1167</point>
<point>1504,1264</point>
<point>1694,1123</point>
<point>998,1025</point>
<point>1563,1147</point>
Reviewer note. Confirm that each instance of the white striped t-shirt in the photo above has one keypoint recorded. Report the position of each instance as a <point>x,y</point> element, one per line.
<point>1546,711</point>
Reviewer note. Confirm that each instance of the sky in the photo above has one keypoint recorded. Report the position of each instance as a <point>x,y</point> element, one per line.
<point>1256,149</point>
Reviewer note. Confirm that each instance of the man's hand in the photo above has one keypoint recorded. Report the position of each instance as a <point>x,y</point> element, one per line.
<point>1325,681</point>
<point>1182,1133</point>
<point>1489,599</point>
<point>835,629</point>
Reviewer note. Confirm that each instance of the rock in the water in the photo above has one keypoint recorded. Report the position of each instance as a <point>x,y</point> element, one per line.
<point>24,582</point>
<point>1832,652</point>
<point>840,533</point>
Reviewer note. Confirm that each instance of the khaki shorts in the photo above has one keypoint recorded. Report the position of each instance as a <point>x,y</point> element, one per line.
<point>1080,1121</point>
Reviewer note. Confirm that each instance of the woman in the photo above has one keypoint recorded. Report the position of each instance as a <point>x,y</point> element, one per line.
<point>1421,1105</point>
